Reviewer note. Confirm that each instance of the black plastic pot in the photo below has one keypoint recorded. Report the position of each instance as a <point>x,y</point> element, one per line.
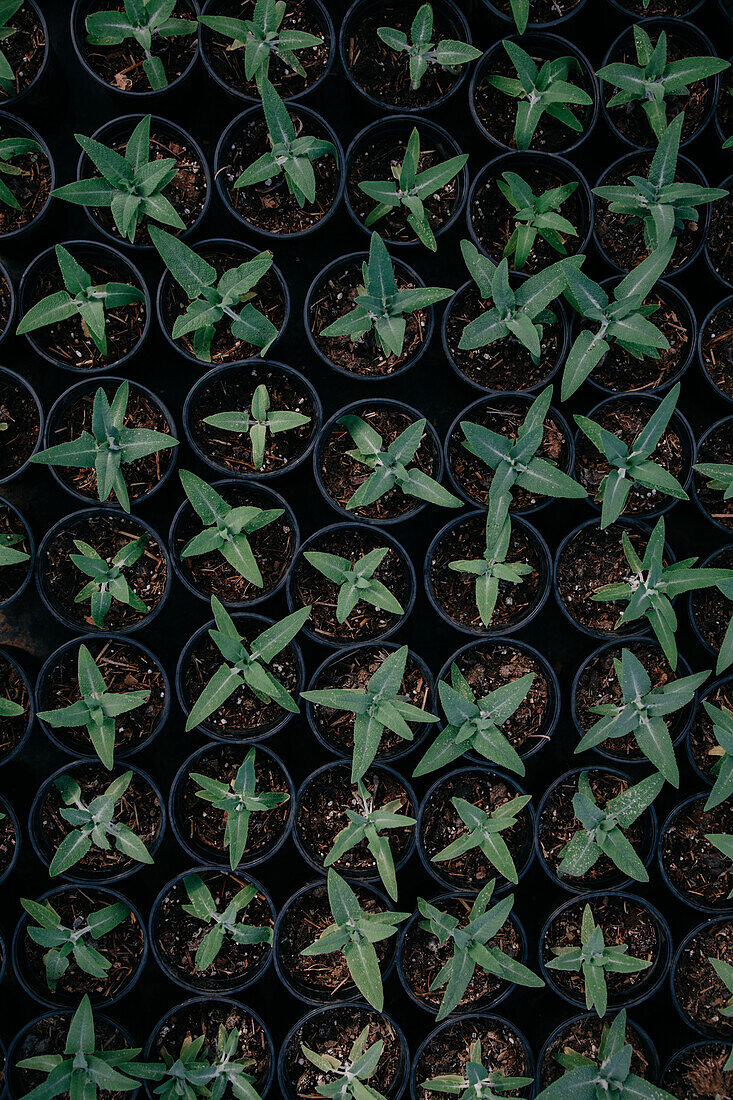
<point>33,982</point>
<point>291,1046</point>
<point>201,985</point>
<point>19,128</point>
<point>340,266</point>
<point>649,1052</point>
<point>725,10</point>
<point>197,851</point>
<point>382,539</point>
<point>360,407</point>
<point>521,162</point>
<point>726,303</point>
<point>311,994</point>
<point>64,403</point>
<point>722,428</point>
<point>615,881</point>
<point>14,101</point>
<point>722,552</point>
<point>524,857</point>
<point>207,37</point>
<point>83,621</point>
<point>398,128</point>
<point>727,205</point>
<point>508,19</point>
<point>20,743</point>
<point>708,1032</point>
<point>623,7</point>
<point>715,693</point>
<point>212,388</point>
<point>383,757</point>
<point>12,380</point>
<point>480,1023</point>
<point>695,1054</point>
<point>239,125</point>
<point>459,29</point>
<point>5,278</point>
<point>9,813</point>
<point>542,47</point>
<point>544,578</point>
<point>79,13</point>
<point>43,849</point>
<point>698,43</point>
<point>29,542</point>
<point>83,252</point>
<point>696,902</point>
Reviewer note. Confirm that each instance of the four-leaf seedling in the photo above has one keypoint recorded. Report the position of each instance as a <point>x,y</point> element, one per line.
<point>108,582</point>
<point>263,37</point>
<point>256,421</point>
<point>355,581</point>
<point>484,832</point>
<point>422,51</point>
<point>535,215</point>
<point>77,941</point>
<point>223,925</point>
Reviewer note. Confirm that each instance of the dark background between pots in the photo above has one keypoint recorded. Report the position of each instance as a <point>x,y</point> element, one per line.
<point>69,101</point>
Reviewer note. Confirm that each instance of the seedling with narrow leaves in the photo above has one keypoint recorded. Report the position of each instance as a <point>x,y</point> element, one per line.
<point>238,800</point>
<point>10,709</point>
<point>492,568</point>
<point>256,421</point>
<point>376,707</point>
<point>263,38</point>
<point>8,8</point>
<point>355,581</point>
<point>722,719</point>
<point>227,924</point>
<point>602,830</point>
<point>535,215</point>
<point>351,1075</point>
<point>476,1081</point>
<point>484,832</point>
<point>10,148</point>
<point>724,843</point>
<point>422,52</point>
<point>80,298</point>
<point>76,942</point>
<point>724,972</point>
<point>246,666</point>
<point>108,582</point>
<point>719,477</point>
<point>379,305</point>
<point>202,1071</point>
<point>144,22</point>
<point>8,554</point>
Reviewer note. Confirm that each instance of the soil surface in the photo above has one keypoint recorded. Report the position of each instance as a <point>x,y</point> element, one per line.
<point>20,424</point>
<point>711,610</point>
<point>31,188</point>
<point>704,747</point>
<point>698,1073</point>
<point>13,576</point>
<point>721,220</point>
<point>121,66</point>
<point>24,49</point>
<point>716,447</point>
<point>696,868</point>
<point>8,839</point>
<point>12,730</point>
<point>700,993</point>
<point>716,347</point>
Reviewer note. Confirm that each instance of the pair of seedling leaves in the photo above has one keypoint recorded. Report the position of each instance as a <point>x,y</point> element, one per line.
<point>351,1075</point>
<point>484,832</point>
<point>143,21</point>
<point>422,51</point>
<point>257,421</point>
<point>224,924</point>
<point>356,581</point>
<point>476,1082</point>
<point>108,582</point>
<point>64,943</point>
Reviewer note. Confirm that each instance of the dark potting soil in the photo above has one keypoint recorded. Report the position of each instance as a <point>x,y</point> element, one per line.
<point>423,958</point>
<point>700,993</point>
<point>228,62</point>
<point>24,49</point>
<point>47,1036</point>
<point>541,11</point>
<point>704,747</point>
<point>716,348</point>
<point>342,475</point>
<point>717,447</point>
<point>107,534</point>
<point>441,825</point>
<point>618,370</point>
<point>233,392</point>
<point>363,356</point>
<point>321,814</point>
<point>449,1050</point>
<point>504,364</point>
<point>504,415</point>
<point>30,188</point>
<point>8,840</point>
<point>311,588</point>
<point>122,948</point>
<point>125,668</point>
<point>12,730</point>
<point>558,824</point>
<point>13,576</point>
<point>179,934</point>
<point>584,1036</point>
<point>203,825</point>
<point>20,423</point>
<point>354,670</point>
<point>711,610</point>
<point>698,1074</point>
<point>696,868</point>
<point>121,66</point>
<point>455,592</point>
<point>269,206</point>
<point>267,297</point>
<point>721,220</point>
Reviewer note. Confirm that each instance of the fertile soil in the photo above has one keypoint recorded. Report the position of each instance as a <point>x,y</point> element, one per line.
<point>716,447</point>
<point>504,364</point>
<point>24,50</point>
<point>449,1049</point>
<point>20,425</point>
<point>13,576</point>
<point>558,824</point>
<point>31,188</point>
<point>8,838</point>
<point>47,1036</point>
<point>721,220</point>
<point>697,1073</point>
<point>455,593</point>
<point>202,825</point>
<point>711,610</point>
<point>321,814</point>
<point>716,348</point>
<point>704,747</point>
<point>363,356</point>
<point>441,825</point>
<point>701,995</point>
<point>696,868</point>
<point>12,730</point>
<point>121,66</point>
<point>583,1036</point>
<point>505,416</point>
<point>341,475</point>
<point>125,668</point>
<point>619,371</point>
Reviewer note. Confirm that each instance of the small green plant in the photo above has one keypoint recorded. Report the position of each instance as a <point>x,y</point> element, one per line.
<point>202,1071</point>
<point>724,843</point>
<point>96,709</point>
<point>380,307</point>
<point>263,37</point>
<point>8,9</point>
<point>663,206</point>
<point>352,1074</point>
<point>372,825</point>
<point>471,948</point>
<point>475,724</point>
<point>10,709</point>
<point>246,666</point>
<point>622,320</point>
<point>602,830</point>
<point>291,155</point>
<point>391,466</point>
<point>224,925</point>
<point>722,720</point>
<point>107,578</point>
<point>131,186</point>
<point>422,51</point>
<point>484,833</point>
<point>8,554</point>
<point>80,298</point>
<point>477,1081</point>
<point>641,712</point>
<point>492,568</point>
<point>376,707</point>
<point>76,942</point>
<point>109,446</point>
<point>632,464</point>
<point>9,149</point>
<point>256,421</point>
<point>143,21</point>
<point>719,476</point>
<point>93,824</point>
<point>355,581</point>
<point>652,585</point>
<point>238,800</point>
<point>724,971</point>
<point>226,530</point>
<point>539,90</point>
<point>593,959</point>
<point>535,215</point>
<point>409,188</point>
<point>653,79</point>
